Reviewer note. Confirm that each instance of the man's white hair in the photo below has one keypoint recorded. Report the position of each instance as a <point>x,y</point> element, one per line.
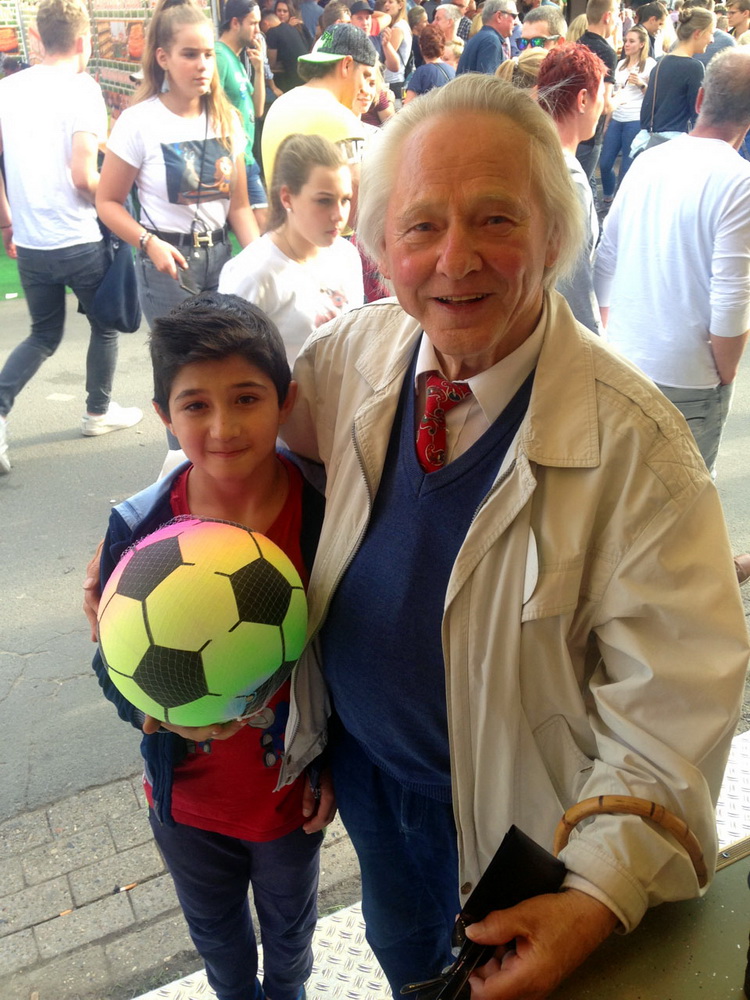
<point>472,93</point>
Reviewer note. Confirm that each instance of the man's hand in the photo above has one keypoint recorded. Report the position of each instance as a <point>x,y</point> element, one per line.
<point>10,246</point>
<point>91,590</point>
<point>540,942</point>
<point>256,58</point>
<point>198,734</point>
<point>322,809</point>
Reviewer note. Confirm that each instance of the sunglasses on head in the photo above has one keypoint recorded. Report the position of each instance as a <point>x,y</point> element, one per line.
<point>535,43</point>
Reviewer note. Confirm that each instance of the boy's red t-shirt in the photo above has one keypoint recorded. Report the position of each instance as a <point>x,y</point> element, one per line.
<point>227,786</point>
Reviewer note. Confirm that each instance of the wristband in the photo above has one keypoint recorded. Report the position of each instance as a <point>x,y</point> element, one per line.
<point>9,226</point>
<point>145,237</point>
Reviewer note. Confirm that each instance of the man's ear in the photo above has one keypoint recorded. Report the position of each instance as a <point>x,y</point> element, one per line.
<point>699,100</point>
<point>345,65</point>
<point>164,417</point>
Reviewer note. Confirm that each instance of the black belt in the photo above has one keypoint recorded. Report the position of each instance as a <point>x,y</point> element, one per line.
<point>196,239</point>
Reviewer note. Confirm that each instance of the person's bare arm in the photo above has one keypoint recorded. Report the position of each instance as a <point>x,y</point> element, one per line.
<point>727,352</point>
<point>240,215</point>
<point>257,59</point>
<point>117,178</point>
<point>390,39</point>
<point>6,216</point>
<point>83,164</point>
<point>92,589</point>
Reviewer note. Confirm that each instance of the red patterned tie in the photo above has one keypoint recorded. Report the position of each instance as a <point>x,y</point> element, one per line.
<point>442,396</point>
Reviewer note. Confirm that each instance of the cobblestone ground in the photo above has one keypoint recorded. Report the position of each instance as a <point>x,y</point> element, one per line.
<point>87,910</point>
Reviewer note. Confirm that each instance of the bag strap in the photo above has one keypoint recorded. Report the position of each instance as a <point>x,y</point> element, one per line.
<point>653,102</point>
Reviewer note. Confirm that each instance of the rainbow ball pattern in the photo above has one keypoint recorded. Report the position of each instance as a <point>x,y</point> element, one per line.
<point>201,622</point>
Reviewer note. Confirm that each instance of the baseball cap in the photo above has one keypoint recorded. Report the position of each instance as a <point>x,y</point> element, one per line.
<point>360,7</point>
<point>342,40</point>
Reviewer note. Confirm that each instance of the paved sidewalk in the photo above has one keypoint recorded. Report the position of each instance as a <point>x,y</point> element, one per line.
<point>87,911</point>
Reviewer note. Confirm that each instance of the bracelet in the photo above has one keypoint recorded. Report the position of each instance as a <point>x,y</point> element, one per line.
<point>145,237</point>
<point>9,226</point>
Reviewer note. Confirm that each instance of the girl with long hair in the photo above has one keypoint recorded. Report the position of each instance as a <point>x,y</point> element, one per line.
<point>396,41</point>
<point>182,144</point>
<point>631,80</point>
<point>302,272</point>
<point>669,102</point>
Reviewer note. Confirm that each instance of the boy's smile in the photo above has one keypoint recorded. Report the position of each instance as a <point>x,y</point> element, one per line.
<point>226,415</point>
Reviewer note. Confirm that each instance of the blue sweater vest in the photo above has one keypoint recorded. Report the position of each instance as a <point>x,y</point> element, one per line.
<point>388,607</point>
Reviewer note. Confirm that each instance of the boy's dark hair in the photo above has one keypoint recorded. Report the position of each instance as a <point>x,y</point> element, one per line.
<point>211,327</point>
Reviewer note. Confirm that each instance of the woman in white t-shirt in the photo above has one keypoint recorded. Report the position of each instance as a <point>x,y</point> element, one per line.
<point>302,272</point>
<point>631,79</point>
<point>182,144</point>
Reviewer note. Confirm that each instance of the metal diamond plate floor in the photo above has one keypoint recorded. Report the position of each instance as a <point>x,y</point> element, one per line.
<point>345,968</point>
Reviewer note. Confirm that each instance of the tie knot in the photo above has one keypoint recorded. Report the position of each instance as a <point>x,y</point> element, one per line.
<point>443,395</point>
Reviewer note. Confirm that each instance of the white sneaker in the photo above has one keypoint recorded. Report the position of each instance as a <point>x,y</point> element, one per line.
<point>4,460</point>
<point>116,418</point>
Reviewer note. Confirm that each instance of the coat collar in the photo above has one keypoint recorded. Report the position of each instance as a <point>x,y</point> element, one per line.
<point>565,376</point>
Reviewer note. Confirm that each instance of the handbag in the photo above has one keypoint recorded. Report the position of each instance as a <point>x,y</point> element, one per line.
<point>116,305</point>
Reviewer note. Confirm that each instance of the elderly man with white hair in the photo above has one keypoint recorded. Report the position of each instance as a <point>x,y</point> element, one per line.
<point>490,46</point>
<point>524,595</point>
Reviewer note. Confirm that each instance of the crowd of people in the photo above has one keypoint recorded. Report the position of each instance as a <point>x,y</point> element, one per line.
<point>518,524</point>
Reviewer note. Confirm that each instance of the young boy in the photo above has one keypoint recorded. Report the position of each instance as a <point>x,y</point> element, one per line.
<point>222,384</point>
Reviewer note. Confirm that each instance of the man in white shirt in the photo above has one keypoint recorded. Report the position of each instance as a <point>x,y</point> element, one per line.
<point>52,120</point>
<point>738,15</point>
<point>676,286</point>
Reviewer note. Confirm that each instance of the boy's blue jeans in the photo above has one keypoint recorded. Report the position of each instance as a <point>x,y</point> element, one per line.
<point>212,874</point>
<point>406,846</point>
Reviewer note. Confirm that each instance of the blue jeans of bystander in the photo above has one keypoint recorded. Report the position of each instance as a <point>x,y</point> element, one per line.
<point>617,141</point>
<point>159,292</point>
<point>44,275</point>
<point>706,412</point>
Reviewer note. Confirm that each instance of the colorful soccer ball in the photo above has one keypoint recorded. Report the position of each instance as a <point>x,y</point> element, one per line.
<point>201,622</point>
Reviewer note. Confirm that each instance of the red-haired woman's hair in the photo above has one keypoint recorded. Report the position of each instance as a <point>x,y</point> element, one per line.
<point>567,70</point>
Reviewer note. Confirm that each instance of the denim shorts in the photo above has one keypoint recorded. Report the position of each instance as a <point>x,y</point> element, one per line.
<point>255,190</point>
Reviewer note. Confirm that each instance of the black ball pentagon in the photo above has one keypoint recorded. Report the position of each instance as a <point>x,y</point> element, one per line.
<point>171,677</point>
<point>262,593</point>
<point>148,567</point>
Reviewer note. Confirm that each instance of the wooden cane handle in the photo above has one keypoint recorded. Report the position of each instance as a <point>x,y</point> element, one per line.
<point>634,807</point>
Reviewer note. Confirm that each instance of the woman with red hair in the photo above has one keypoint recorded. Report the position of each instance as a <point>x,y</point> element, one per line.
<point>570,86</point>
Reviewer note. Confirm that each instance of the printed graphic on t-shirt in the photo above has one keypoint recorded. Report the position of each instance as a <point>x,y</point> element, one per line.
<point>352,149</point>
<point>272,722</point>
<point>199,170</point>
<point>332,305</point>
